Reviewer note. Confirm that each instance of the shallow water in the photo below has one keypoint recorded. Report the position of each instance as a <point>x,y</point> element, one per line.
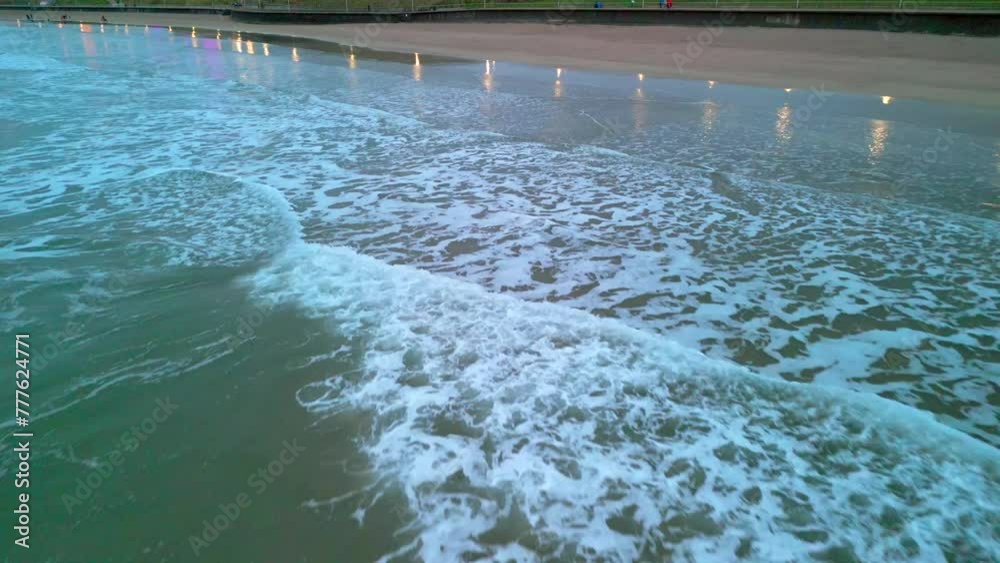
<point>510,312</point>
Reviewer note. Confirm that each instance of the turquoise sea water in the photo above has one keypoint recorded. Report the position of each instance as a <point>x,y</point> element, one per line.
<point>391,307</point>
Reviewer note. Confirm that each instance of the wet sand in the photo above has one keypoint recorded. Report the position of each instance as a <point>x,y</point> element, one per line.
<point>929,67</point>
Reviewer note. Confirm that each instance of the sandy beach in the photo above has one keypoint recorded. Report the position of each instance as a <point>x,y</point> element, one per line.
<point>282,303</point>
<point>929,67</point>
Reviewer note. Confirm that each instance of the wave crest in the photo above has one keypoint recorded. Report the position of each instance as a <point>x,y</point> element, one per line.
<point>532,431</point>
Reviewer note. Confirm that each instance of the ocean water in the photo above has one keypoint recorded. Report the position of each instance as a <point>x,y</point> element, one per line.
<point>464,311</point>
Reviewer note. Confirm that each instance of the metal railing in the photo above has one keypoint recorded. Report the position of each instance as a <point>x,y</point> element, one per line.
<point>908,6</point>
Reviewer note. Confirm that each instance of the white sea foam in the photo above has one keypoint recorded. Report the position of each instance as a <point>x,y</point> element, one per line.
<point>795,282</point>
<point>800,283</point>
<point>534,431</point>
<point>187,218</point>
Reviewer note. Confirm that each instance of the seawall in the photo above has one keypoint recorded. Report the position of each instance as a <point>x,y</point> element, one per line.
<point>950,23</point>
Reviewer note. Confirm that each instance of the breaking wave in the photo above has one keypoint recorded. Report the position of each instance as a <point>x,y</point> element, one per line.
<point>531,431</point>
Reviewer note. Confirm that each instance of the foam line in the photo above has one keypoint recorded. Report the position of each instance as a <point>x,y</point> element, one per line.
<point>615,443</point>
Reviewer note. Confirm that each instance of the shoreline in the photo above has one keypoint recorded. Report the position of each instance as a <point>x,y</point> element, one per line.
<point>949,69</point>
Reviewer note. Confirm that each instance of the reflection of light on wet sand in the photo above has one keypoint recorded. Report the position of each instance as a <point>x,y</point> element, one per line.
<point>352,63</point>
<point>126,28</point>
<point>557,89</point>
<point>639,112</point>
<point>237,45</point>
<point>711,84</point>
<point>641,77</point>
<point>787,90</point>
<point>18,22</point>
<point>102,28</point>
<point>886,100</point>
<point>170,29</point>
<point>250,48</point>
<point>709,115</point>
<point>295,54</point>
<point>267,50</point>
<point>639,94</point>
<point>85,28</point>
<point>783,127</point>
<point>877,136</point>
<point>488,77</point>
<point>558,73</point>
<point>417,70</point>
<point>194,41</point>
<point>89,47</point>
